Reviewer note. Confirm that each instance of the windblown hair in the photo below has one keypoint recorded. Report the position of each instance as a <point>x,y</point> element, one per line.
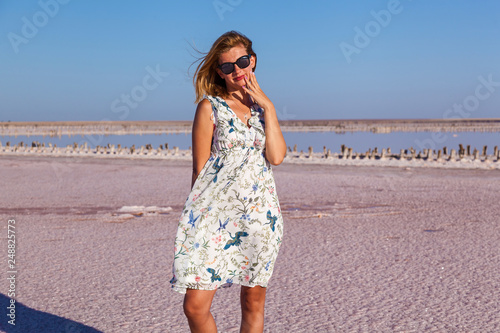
<point>206,80</point>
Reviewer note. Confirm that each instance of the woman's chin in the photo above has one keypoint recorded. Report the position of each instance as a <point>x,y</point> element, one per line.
<point>238,85</point>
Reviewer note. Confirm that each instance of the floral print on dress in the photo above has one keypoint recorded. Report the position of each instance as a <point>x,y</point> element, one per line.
<point>231,226</point>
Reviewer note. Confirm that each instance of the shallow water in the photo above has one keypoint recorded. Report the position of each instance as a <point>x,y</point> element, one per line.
<point>359,141</point>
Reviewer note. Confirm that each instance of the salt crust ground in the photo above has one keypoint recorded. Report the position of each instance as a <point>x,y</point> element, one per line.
<point>366,249</point>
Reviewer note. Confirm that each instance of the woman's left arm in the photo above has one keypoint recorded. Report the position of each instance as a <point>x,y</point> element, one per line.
<point>275,142</point>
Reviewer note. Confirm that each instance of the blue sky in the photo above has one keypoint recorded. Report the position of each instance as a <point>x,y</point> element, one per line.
<point>75,60</point>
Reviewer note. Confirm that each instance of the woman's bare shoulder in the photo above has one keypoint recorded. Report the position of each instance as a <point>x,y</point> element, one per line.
<point>205,104</point>
<point>203,112</point>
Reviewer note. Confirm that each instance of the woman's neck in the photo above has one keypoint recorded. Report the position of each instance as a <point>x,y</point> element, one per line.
<point>241,96</point>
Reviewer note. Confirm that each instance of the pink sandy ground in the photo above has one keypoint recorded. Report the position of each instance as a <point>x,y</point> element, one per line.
<point>366,249</point>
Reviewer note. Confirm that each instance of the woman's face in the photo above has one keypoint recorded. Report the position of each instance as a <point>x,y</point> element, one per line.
<point>236,79</point>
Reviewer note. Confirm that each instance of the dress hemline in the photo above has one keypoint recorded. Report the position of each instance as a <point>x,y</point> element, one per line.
<point>182,290</point>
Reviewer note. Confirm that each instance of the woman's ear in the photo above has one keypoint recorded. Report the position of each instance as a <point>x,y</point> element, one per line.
<point>252,62</point>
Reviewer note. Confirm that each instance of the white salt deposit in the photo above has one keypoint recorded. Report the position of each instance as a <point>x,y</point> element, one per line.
<point>144,209</point>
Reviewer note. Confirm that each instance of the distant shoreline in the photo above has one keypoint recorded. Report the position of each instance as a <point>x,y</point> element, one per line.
<point>60,128</point>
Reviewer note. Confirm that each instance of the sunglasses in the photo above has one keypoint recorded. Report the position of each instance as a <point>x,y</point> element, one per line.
<point>242,62</point>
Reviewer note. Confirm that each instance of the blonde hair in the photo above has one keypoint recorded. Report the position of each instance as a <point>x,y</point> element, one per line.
<point>206,80</point>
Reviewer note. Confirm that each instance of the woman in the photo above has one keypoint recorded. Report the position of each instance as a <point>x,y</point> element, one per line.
<point>231,226</point>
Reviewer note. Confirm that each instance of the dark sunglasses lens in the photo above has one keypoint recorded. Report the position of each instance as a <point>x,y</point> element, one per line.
<point>227,68</point>
<point>243,62</point>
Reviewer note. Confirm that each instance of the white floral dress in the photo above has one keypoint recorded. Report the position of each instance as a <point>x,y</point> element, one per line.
<point>231,226</point>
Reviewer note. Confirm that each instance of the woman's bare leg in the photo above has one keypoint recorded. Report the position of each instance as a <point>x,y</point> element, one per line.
<point>197,310</point>
<point>252,309</point>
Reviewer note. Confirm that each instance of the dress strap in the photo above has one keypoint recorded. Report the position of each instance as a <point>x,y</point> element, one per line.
<point>213,101</point>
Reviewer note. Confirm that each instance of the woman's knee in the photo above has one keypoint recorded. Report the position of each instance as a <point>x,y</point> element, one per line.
<point>253,300</point>
<point>197,304</point>
<point>195,309</point>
